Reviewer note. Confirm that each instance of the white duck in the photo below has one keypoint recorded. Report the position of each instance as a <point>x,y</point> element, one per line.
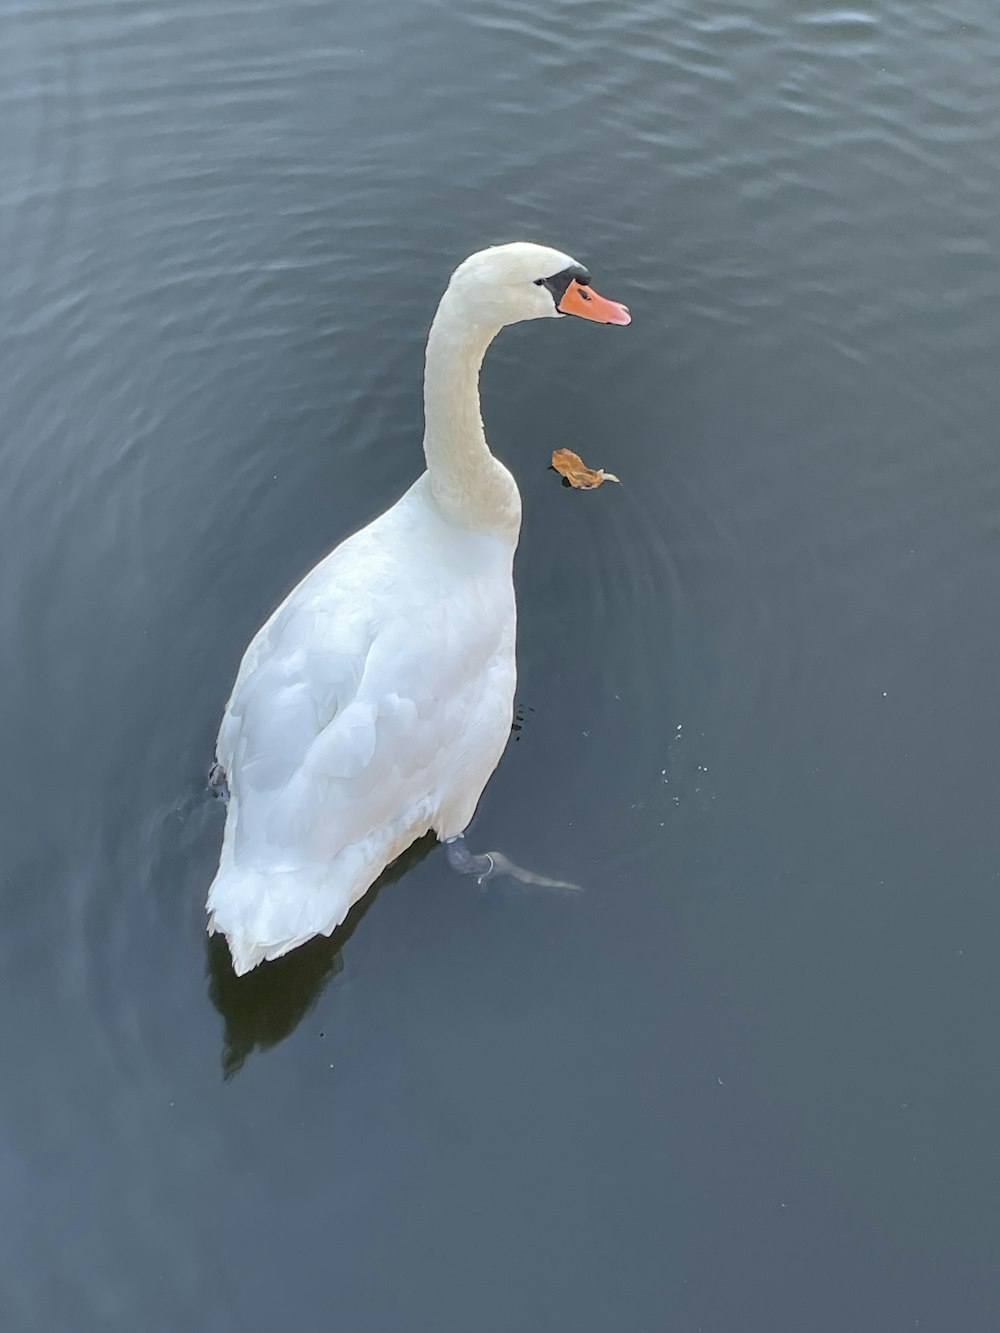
<point>376,701</point>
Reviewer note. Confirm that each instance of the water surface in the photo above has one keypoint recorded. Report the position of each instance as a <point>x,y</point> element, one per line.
<point>747,1080</point>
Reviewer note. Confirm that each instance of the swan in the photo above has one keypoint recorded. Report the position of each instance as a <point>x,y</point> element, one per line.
<point>376,701</point>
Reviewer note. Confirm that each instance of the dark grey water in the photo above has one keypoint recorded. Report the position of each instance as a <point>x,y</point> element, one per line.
<point>749,1079</point>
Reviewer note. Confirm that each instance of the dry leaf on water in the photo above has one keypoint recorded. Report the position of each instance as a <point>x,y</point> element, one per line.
<point>577,473</point>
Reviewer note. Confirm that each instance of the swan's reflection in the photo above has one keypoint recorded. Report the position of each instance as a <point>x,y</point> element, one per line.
<point>262,1008</point>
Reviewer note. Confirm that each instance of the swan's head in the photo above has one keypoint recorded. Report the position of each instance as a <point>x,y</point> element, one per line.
<point>508,283</point>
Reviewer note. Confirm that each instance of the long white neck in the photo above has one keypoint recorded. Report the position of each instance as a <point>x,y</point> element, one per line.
<point>471,487</point>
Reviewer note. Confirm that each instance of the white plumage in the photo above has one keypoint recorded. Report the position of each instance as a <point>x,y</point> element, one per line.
<point>377,700</point>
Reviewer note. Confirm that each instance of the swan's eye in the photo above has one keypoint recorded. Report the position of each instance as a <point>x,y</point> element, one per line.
<point>559,282</point>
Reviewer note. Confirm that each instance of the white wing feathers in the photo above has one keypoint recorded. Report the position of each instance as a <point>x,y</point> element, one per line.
<point>372,706</point>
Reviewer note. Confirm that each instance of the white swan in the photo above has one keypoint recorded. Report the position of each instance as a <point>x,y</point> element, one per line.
<point>377,700</point>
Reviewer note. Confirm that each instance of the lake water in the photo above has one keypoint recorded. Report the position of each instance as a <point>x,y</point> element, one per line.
<point>747,1080</point>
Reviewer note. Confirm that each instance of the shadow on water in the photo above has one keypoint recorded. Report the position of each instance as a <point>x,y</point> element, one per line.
<point>265,1006</point>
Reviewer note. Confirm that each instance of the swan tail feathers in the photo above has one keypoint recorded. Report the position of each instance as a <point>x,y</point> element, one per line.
<point>263,914</point>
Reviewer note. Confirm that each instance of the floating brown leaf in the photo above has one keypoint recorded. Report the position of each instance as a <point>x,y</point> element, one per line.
<point>577,473</point>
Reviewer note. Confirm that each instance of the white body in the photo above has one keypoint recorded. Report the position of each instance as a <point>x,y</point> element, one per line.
<point>377,700</point>
<point>373,705</point>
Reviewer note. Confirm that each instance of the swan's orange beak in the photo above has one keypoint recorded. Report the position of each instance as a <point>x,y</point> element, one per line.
<point>585,302</point>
